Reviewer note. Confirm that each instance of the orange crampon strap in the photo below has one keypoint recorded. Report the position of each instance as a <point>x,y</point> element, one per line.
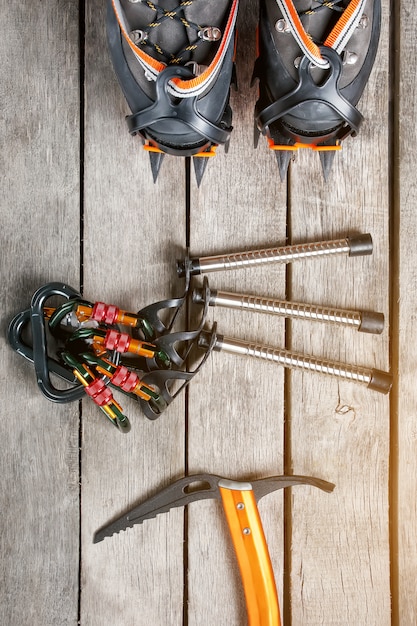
<point>337,38</point>
<point>178,87</point>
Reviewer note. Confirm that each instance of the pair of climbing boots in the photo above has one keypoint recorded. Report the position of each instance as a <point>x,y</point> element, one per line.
<point>175,66</point>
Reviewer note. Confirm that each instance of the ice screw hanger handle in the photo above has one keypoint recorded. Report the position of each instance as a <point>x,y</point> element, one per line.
<point>356,245</point>
<point>239,500</point>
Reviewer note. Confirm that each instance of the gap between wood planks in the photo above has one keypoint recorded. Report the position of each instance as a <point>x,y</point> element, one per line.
<point>81,56</point>
<point>186,403</point>
<point>394,268</point>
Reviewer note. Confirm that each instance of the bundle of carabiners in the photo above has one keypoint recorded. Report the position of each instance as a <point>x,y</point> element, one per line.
<point>99,346</point>
<point>95,328</point>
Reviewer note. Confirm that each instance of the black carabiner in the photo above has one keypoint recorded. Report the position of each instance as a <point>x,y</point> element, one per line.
<point>15,339</point>
<point>40,354</point>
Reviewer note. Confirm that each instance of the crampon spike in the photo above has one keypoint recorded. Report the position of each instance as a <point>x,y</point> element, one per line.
<point>326,158</point>
<point>156,159</point>
<point>283,160</point>
<point>200,164</point>
<point>256,133</point>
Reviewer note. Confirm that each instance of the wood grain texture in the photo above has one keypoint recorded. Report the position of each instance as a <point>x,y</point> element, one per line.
<point>405,350</point>
<point>339,430</point>
<point>235,411</point>
<point>344,553</point>
<point>40,242</point>
<point>133,231</point>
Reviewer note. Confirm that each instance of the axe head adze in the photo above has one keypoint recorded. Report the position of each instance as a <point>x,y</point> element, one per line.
<point>201,487</point>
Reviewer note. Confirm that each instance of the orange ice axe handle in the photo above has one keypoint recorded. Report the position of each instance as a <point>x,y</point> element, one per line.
<point>252,553</point>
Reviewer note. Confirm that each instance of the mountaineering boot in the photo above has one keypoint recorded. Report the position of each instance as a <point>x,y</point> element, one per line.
<point>174,63</point>
<point>315,58</point>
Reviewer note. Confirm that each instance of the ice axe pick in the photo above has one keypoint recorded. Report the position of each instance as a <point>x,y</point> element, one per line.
<point>239,500</point>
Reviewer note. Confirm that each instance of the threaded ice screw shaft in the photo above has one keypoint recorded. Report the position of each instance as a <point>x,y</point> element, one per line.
<point>352,246</point>
<point>364,321</point>
<point>372,378</point>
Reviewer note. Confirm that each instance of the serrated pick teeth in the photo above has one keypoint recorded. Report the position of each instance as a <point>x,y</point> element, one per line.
<point>115,528</point>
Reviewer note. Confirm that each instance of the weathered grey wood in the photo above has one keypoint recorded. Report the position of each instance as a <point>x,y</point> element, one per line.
<point>336,545</point>
<point>235,411</point>
<point>404,302</point>
<point>340,542</point>
<point>39,159</point>
<point>133,233</point>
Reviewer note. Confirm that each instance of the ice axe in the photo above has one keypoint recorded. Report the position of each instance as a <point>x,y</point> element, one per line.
<point>239,500</point>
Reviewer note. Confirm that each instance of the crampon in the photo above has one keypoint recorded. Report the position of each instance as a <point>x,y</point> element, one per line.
<point>174,63</point>
<point>315,58</point>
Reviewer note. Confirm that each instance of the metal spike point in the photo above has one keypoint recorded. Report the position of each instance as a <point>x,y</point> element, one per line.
<point>108,531</point>
<point>327,158</point>
<point>129,520</point>
<point>256,134</point>
<point>200,164</point>
<point>124,522</point>
<point>156,159</point>
<point>283,160</point>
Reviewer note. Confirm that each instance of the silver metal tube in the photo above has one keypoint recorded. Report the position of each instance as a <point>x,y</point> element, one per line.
<point>372,378</point>
<point>353,246</point>
<point>370,322</point>
<point>285,254</point>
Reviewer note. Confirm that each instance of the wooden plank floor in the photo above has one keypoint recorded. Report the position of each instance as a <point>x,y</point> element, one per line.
<point>79,206</point>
